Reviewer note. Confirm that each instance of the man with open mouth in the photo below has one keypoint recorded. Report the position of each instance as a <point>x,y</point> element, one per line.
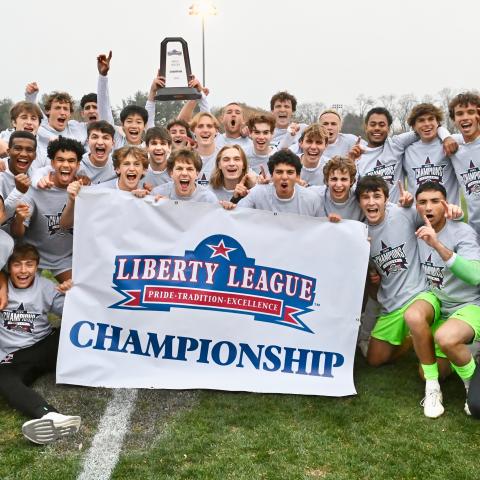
<point>284,194</point>
<point>184,166</point>
<point>338,143</point>
<point>313,143</point>
<point>159,144</point>
<point>233,122</point>
<point>15,181</point>
<point>24,116</point>
<point>37,216</point>
<point>29,345</point>
<point>59,107</point>
<point>261,129</point>
<point>205,128</point>
<point>450,254</point>
<point>407,306</point>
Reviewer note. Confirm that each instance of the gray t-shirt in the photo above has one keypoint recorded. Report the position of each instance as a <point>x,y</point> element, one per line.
<point>94,173</point>
<point>394,252</point>
<point>314,176</point>
<point>208,164</point>
<point>43,227</point>
<point>24,321</point>
<point>256,161</point>
<point>201,194</point>
<point>222,193</point>
<point>452,292</point>
<point>348,210</point>
<point>386,161</point>
<point>221,140</point>
<point>466,163</point>
<point>424,162</point>
<point>155,178</point>
<point>6,247</point>
<point>341,146</point>
<point>303,201</point>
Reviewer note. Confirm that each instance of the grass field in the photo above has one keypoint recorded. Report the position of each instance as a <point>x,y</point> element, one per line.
<point>379,434</point>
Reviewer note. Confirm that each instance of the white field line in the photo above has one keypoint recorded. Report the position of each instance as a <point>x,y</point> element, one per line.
<point>103,454</point>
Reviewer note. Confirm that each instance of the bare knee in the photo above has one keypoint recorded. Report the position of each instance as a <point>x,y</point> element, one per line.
<point>445,340</point>
<point>414,319</point>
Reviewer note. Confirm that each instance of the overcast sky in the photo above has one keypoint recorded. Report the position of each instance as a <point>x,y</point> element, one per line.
<point>318,50</point>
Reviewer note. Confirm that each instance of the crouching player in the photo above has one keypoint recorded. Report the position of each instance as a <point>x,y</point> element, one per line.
<point>450,256</point>
<point>28,345</point>
<point>406,306</point>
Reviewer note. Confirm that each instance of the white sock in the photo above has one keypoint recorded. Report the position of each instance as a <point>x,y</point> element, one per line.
<point>431,385</point>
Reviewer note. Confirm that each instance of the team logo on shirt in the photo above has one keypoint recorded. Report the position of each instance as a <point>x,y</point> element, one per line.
<point>19,320</point>
<point>433,273</point>
<point>429,172</point>
<point>203,180</point>
<point>53,223</point>
<point>387,172</point>
<point>471,179</point>
<point>391,259</point>
<point>217,275</point>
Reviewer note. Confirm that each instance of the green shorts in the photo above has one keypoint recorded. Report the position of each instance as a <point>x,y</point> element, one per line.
<point>392,328</point>
<point>470,314</point>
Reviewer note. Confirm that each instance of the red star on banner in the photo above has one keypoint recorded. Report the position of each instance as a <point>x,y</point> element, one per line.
<point>221,250</point>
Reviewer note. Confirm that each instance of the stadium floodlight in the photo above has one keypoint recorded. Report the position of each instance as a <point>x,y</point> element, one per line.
<point>203,9</point>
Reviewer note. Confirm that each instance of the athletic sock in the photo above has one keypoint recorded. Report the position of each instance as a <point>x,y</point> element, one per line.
<point>430,372</point>
<point>465,372</point>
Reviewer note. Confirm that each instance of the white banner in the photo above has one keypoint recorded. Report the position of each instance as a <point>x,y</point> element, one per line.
<point>186,295</point>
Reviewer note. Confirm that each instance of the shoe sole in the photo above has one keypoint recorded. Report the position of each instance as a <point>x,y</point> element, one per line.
<point>43,431</point>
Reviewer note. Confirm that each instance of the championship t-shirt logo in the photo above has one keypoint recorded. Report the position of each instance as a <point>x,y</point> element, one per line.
<point>391,259</point>
<point>19,320</point>
<point>217,275</point>
<point>387,172</point>
<point>429,172</point>
<point>203,180</point>
<point>433,273</point>
<point>53,223</point>
<point>471,179</point>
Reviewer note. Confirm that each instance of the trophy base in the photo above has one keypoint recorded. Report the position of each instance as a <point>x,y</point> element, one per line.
<point>178,93</point>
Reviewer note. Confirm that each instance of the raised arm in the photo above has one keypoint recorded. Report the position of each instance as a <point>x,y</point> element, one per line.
<point>66,219</point>
<point>186,113</point>
<point>103,97</point>
<point>158,82</point>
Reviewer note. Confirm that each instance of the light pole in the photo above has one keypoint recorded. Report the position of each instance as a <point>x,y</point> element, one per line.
<point>203,9</point>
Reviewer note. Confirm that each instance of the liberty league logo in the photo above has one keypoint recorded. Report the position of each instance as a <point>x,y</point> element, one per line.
<point>217,275</point>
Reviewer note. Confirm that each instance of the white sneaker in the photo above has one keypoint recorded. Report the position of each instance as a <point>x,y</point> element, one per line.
<point>432,404</point>
<point>50,427</point>
<point>466,409</point>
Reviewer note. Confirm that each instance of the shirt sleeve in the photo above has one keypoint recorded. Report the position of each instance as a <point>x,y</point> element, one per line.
<point>103,100</point>
<point>249,200</point>
<point>150,107</point>
<point>404,139</point>
<point>466,270</point>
